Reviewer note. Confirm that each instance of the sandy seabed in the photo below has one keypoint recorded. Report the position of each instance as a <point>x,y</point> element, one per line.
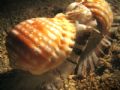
<point>107,75</point>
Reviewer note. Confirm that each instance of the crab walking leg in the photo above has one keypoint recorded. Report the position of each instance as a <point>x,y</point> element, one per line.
<point>95,58</point>
<point>94,48</point>
<point>84,68</point>
<point>100,50</point>
<point>95,36</point>
<point>90,61</point>
<point>105,42</point>
<point>88,66</point>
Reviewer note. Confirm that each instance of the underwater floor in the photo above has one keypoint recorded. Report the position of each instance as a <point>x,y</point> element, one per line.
<point>107,74</point>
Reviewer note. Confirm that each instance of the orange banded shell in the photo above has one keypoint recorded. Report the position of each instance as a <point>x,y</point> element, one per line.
<point>101,11</point>
<point>41,44</point>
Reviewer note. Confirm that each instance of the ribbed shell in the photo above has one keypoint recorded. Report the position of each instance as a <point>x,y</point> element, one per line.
<point>102,11</point>
<point>41,44</point>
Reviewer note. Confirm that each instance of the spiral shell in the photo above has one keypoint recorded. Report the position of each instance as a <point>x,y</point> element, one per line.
<point>41,44</point>
<point>101,11</point>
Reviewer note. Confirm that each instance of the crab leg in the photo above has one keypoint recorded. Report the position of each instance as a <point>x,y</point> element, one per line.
<point>95,36</point>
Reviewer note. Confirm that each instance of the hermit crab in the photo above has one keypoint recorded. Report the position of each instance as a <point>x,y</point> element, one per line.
<point>41,44</point>
<point>93,21</point>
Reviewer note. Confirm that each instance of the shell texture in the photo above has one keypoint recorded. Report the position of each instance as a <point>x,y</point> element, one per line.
<point>101,11</point>
<point>38,45</point>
